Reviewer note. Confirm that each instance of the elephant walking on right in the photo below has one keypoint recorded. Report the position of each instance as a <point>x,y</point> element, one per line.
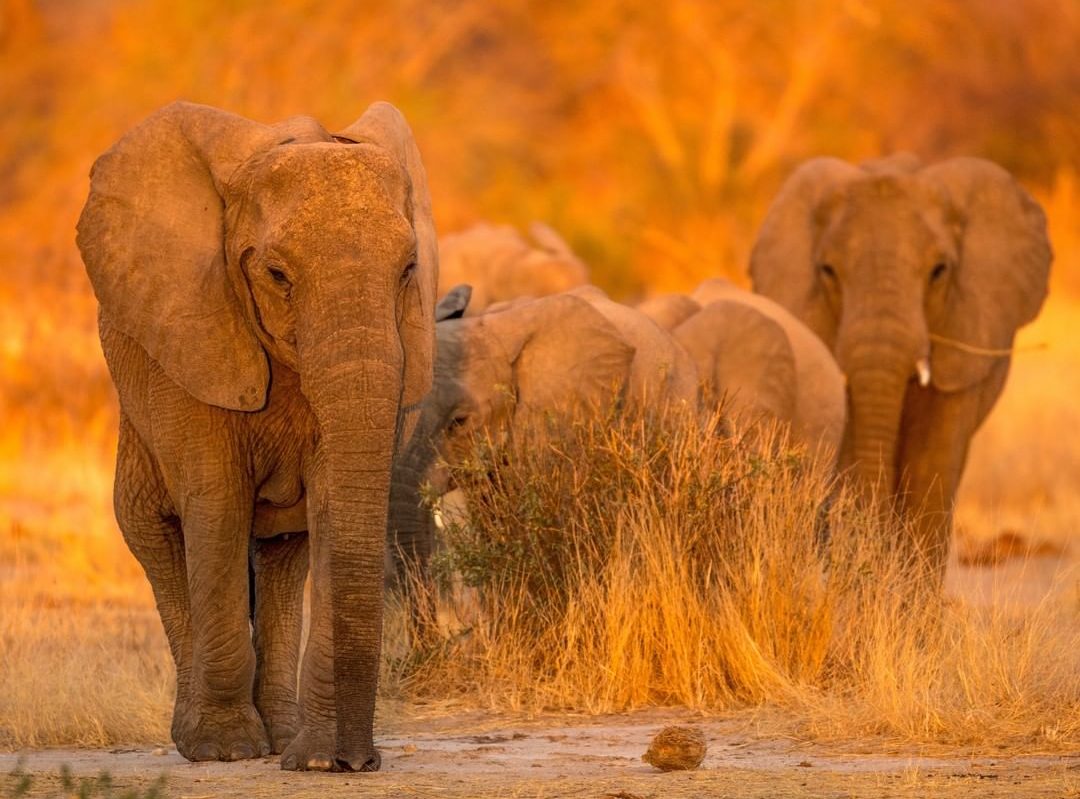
<point>917,278</point>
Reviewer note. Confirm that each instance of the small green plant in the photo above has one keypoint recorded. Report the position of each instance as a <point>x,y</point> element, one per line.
<point>83,787</point>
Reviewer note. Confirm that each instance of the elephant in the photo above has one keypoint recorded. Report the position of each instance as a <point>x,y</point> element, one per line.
<point>510,371</point>
<point>266,300</point>
<point>917,279</point>
<point>765,362</point>
<point>501,265</point>
<point>662,372</point>
<point>669,311</point>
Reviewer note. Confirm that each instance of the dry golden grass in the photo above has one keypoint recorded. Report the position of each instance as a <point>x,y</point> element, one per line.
<point>672,567</point>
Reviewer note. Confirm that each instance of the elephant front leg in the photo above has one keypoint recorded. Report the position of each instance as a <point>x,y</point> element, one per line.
<point>281,565</point>
<point>222,722</point>
<point>313,749</point>
<point>936,431</point>
<point>152,532</point>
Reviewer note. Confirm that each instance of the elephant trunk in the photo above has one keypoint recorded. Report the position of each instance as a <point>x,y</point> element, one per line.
<point>352,376</point>
<point>410,536</point>
<point>878,361</point>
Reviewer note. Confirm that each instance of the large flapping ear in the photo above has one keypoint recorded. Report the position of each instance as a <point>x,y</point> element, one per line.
<point>1001,279</point>
<point>565,354</point>
<point>384,126</point>
<point>781,263</point>
<point>454,303</point>
<point>152,235</point>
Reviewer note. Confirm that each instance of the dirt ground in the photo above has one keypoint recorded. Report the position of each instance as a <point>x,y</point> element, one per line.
<point>480,755</point>
<point>434,753</point>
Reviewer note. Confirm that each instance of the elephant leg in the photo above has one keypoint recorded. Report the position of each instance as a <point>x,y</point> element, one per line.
<point>152,531</point>
<point>936,431</point>
<point>223,723</point>
<point>314,746</point>
<point>280,568</point>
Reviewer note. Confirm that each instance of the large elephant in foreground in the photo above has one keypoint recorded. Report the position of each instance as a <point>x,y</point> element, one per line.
<point>917,279</point>
<point>761,361</point>
<point>267,298</point>
<point>512,370</point>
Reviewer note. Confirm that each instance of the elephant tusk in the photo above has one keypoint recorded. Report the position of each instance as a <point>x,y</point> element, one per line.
<point>922,368</point>
<point>436,513</point>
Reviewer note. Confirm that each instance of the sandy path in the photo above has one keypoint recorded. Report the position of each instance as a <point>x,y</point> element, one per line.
<point>480,755</point>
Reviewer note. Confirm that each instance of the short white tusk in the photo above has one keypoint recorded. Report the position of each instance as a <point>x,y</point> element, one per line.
<point>440,523</point>
<point>922,367</point>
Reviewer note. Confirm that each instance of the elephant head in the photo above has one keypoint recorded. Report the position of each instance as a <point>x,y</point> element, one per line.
<point>229,249</point>
<point>916,278</point>
<point>508,373</point>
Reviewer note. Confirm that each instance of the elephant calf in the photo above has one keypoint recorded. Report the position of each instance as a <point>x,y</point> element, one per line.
<point>513,368</point>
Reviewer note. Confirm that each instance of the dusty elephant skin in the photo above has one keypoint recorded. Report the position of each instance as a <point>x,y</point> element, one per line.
<point>267,297</point>
<point>512,369</point>
<point>917,279</point>
<point>760,361</point>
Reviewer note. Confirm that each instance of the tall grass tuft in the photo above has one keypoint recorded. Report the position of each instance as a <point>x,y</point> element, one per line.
<point>635,562</point>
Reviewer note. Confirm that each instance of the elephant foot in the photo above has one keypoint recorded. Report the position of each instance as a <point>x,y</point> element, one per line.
<point>311,751</point>
<point>282,722</point>
<point>204,733</point>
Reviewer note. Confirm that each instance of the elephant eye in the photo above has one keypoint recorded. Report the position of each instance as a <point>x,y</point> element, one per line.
<point>407,273</point>
<point>938,271</point>
<point>827,271</point>
<point>458,421</point>
<point>278,276</point>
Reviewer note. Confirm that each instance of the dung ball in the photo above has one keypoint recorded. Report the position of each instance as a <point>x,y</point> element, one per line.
<point>676,748</point>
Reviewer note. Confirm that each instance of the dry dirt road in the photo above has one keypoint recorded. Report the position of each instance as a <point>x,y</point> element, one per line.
<point>482,755</point>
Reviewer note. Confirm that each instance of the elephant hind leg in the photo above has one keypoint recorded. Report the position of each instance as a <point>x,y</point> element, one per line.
<point>152,531</point>
<point>280,567</point>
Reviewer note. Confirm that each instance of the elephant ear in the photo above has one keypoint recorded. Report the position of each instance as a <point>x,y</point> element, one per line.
<point>669,311</point>
<point>742,353</point>
<point>1000,281</point>
<point>782,260</point>
<point>454,303</point>
<point>385,127</point>
<point>565,355</point>
<point>152,236</point>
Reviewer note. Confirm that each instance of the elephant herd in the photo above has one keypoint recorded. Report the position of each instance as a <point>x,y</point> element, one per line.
<point>288,376</point>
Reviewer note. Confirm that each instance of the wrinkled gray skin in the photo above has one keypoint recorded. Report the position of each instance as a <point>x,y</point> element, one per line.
<point>901,270</point>
<point>513,368</point>
<point>267,295</point>
<point>755,355</point>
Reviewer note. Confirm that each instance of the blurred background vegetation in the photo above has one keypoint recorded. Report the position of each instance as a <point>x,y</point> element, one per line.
<point>652,135</point>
